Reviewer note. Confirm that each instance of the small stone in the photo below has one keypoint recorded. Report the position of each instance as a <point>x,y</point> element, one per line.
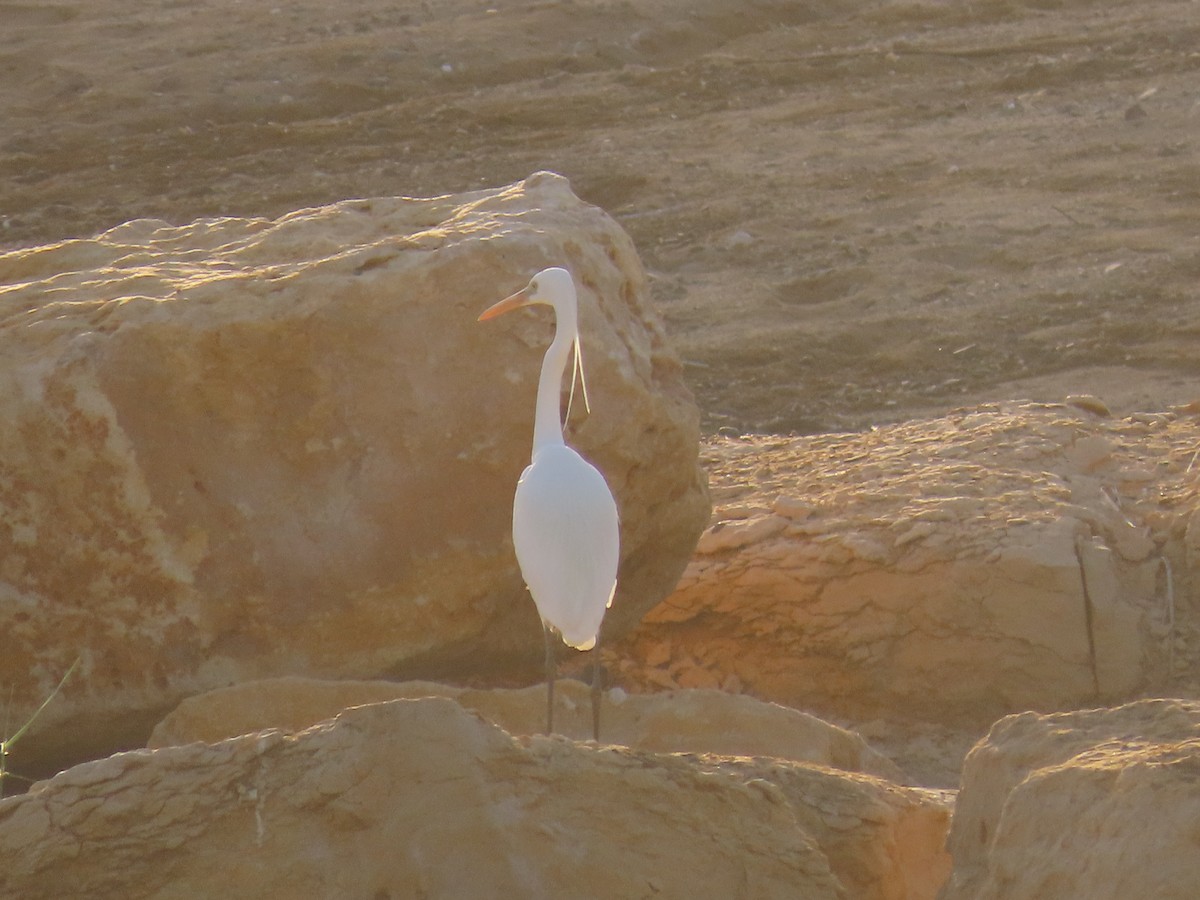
<point>1090,452</point>
<point>1135,113</point>
<point>792,508</point>
<point>1136,473</point>
<point>1088,403</point>
<point>1134,544</point>
<point>659,654</point>
<point>915,533</point>
<point>734,535</point>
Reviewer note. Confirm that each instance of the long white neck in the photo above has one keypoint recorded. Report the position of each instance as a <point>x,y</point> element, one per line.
<point>547,420</point>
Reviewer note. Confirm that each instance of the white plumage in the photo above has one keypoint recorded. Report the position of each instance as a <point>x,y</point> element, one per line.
<point>566,537</point>
<point>565,528</point>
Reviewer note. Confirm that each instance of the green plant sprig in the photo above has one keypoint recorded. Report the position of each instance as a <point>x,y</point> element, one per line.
<point>7,743</point>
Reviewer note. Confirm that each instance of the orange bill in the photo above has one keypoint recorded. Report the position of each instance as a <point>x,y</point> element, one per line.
<point>515,301</point>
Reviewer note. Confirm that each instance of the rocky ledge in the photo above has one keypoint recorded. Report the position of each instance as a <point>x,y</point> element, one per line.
<point>997,559</point>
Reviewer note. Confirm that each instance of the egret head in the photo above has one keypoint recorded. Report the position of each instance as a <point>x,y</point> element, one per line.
<point>552,287</point>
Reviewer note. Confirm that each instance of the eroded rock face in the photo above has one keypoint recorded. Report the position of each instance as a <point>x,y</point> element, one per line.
<point>242,448</point>
<point>668,722</point>
<point>423,797</point>
<point>1095,804</point>
<point>956,569</point>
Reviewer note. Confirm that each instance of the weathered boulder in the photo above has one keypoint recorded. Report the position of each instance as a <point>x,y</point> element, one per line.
<point>422,798</point>
<point>1095,804</point>
<point>672,721</point>
<point>955,569</point>
<point>883,842</point>
<point>243,448</point>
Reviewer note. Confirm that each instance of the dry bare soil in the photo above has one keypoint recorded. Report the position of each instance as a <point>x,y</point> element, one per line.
<point>853,212</point>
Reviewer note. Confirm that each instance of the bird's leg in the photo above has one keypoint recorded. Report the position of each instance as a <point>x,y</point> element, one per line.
<point>596,690</point>
<point>551,640</point>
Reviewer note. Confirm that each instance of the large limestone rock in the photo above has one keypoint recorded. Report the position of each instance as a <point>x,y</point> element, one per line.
<point>422,798</point>
<point>672,721</point>
<point>242,448</point>
<point>956,569</point>
<point>1099,804</point>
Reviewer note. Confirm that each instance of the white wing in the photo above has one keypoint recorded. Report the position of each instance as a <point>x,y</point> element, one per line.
<point>567,540</point>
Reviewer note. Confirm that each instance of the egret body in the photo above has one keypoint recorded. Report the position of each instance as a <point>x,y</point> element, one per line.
<point>565,529</point>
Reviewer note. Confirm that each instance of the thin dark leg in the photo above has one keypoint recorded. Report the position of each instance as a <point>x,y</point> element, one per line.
<point>596,682</point>
<point>551,666</point>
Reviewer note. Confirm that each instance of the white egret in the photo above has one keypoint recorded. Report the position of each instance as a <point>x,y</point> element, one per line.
<point>565,529</point>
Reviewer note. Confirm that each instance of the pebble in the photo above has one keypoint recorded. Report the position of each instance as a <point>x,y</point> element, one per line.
<point>1088,403</point>
<point>918,531</point>
<point>792,508</point>
<point>733,535</point>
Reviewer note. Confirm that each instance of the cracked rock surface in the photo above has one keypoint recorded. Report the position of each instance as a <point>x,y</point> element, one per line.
<point>950,570</point>
<point>421,797</point>
<point>1096,803</point>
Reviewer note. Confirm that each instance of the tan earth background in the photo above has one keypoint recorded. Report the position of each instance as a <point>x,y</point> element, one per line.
<point>852,214</point>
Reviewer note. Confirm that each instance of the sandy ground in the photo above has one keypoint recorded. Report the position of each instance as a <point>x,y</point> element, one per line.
<point>854,212</point>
